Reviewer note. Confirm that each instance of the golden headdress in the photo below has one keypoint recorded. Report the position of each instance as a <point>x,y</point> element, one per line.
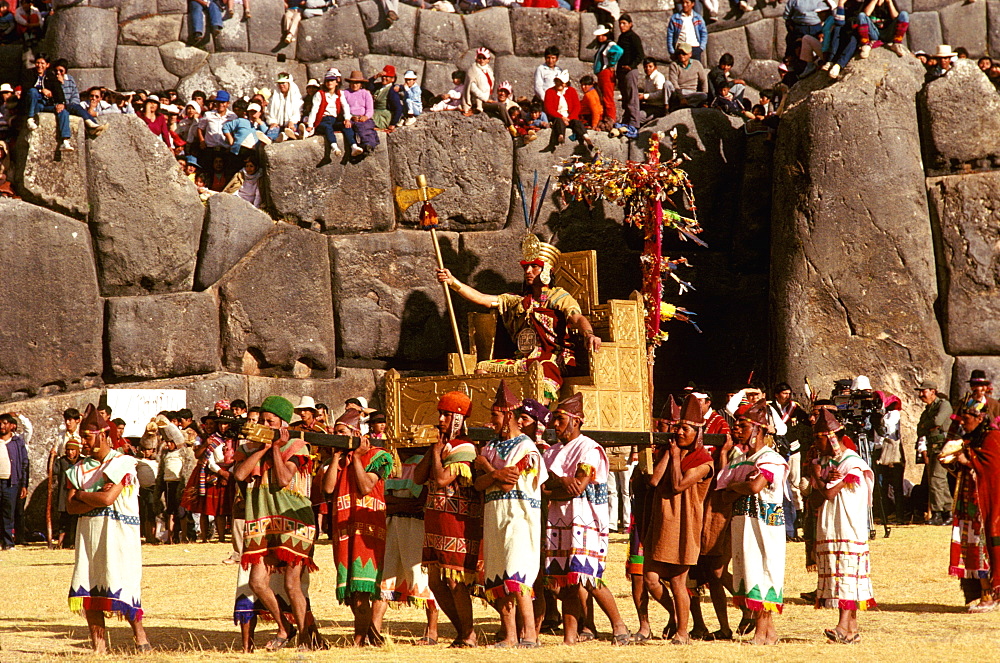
<point>536,252</point>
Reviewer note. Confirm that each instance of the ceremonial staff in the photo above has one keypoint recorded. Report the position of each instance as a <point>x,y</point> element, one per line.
<point>429,220</point>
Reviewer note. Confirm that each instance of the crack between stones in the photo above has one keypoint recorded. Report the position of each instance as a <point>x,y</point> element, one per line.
<point>847,316</point>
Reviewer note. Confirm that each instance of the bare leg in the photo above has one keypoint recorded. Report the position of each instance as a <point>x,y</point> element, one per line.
<point>717,588</point>
<point>293,587</point>
<point>246,631</point>
<point>765,634</point>
<point>138,632</point>
<point>606,601</point>
<point>505,605</point>
<point>697,619</point>
<point>640,597</point>
<point>657,591</point>
<point>682,602</point>
<point>445,599</point>
<point>431,632</point>
<point>463,609</point>
<point>95,624</point>
<point>379,607</point>
<point>539,606</point>
<point>572,604</point>
<point>260,583</point>
<point>362,607</point>
<point>527,617</point>
<point>204,527</point>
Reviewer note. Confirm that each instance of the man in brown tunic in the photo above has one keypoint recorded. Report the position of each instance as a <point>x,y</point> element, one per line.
<point>681,480</point>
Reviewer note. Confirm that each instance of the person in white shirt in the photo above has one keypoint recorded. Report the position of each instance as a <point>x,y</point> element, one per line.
<point>285,109</point>
<point>545,74</point>
<point>210,134</point>
<point>654,91</point>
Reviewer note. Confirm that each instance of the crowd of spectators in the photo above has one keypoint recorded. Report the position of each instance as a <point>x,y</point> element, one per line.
<point>218,138</point>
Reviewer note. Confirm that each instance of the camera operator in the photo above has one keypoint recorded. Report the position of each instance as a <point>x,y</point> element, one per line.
<point>931,428</point>
<point>891,463</point>
<point>861,411</point>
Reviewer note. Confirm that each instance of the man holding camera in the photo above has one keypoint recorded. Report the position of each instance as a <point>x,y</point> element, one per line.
<point>931,429</point>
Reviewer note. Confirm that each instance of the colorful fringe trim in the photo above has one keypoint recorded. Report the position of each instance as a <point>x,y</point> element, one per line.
<point>757,606</point>
<point>634,564</point>
<point>844,604</point>
<point>962,572</point>
<point>575,578</point>
<point>494,594</point>
<point>283,555</point>
<point>448,573</point>
<point>109,606</point>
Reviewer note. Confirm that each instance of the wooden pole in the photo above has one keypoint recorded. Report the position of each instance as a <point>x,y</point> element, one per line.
<point>451,307</point>
<point>48,497</point>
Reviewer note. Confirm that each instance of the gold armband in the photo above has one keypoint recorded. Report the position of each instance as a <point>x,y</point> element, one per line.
<point>455,284</point>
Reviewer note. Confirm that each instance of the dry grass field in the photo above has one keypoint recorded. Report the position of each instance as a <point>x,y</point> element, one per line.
<point>188,597</point>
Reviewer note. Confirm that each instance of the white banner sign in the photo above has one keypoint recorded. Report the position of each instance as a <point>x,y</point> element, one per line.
<point>138,406</point>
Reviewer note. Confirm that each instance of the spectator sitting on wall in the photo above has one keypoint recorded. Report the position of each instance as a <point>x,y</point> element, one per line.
<point>8,111</point>
<point>591,111</point>
<point>330,113</point>
<point>8,27</point>
<point>880,22</point>
<point>246,183</point>
<point>688,78</point>
<point>312,87</point>
<point>723,72</point>
<point>175,143</point>
<point>30,22</point>
<point>452,99</point>
<point>290,20</point>
<point>687,27</point>
<point>478,83</point>
<point>801,18</point>
<point>537,119</point>
<point>654,91</point>
<point>241,131</point>
<point>388,103</point>
<point>362,107</point>
<point>412,98</point>
<point>728,104</point>
<point>45,94</point>
<point>285,110</point>
<point>187,125</point>
<point>71,93</point>
<point>94,101</point>
<point>197,10</point>
<point>154,119</point>
<point>211,137</point>
<point>562,105</point>
<point>546,72</point>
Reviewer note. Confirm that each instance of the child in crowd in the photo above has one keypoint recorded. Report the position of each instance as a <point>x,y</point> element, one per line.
<point>249,190</point>
<point>452,100</point>
<point>538,119</point>
<point>412,98</point>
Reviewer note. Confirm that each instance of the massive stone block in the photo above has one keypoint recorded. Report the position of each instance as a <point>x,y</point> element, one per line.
<point>441,36</point>
<point>163,336</point>
<point>88,78</point>
<point>264,29</point>
<point>993,26</point>
<point>276,308</point>
<point>959,129</point>
<point>761,74</point>
<point>760,39</point>
<point>646,6</point>
<point>132,9</point>
<point>141,67</point>
<point>240,73</point>
<point>965,210</point>
<point>652,29</point>
<point>924,33</point>
<point>151,31</point>
<point>339,33</point>
<point>853,279</point>
<point>202,79</point>
<point>373,63</point>
<point>490,28</point>
<point>51,177</point>
<point>728,41</point>
<point>203,390</point>
<point>536,29</point>
<point>232,227</point>
<point>234,37</point>
<point>53,309</point>
<point>341,196</point>
<point>318,69</point>
<point>389,305</point>
<point>387,38</point>
<point>86,36</point>
<point>182,60</point>
<point>145,215</point>
<point>475,171</point>
<point>964,23</point>
<point>588,43</point>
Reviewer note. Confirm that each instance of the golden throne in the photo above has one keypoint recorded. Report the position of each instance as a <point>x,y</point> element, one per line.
<point>614,381</point>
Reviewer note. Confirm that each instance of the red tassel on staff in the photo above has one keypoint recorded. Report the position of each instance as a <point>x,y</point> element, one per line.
<point>428,216</point>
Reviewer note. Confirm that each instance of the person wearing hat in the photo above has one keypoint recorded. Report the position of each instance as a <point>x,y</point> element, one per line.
<point>377,427</point>
<point>176,464</point>
<point>562,106</point>
<point>330,112</point>
<point>147,467</point>
<point>845,482</point>
<point>479,81</point>
<point>280,528</point>
<point>107,573</point>
<point>66,521</point>
<point>388,104</point>
<point>576,539</point>
<point>412,95</point>
<point>980,388</point>
<point>453,516</point>
<point>211,136</point>
<point>214,495</point>
<point>355,481</point>
<point>687,77</point>
<point>510,476</point>
<point>362,107</point>
<point>680,482</point>
<point>285,109</point>
<point>242,133</point>
<point>360,403</point>
<point>975,553</point>
<point>528,317</point>
<point>932,428</point>
<point>307,413</point>
<point>758,528</point>
<point>605,61</point>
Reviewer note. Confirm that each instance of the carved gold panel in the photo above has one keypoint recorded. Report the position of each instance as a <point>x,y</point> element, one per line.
<point>577,274</point>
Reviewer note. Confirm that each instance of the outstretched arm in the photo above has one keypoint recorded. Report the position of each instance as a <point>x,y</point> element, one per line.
<point>466,291</point>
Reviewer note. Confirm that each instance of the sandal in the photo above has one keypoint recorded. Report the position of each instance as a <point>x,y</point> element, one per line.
<point>276,643</point>
<point>669,631</point>
<point>699,635</point>
<point>719,635</point>
<point>426,641</point>
<point>622,639</point>
<point>585,636</point>
<point>834,635</point>
<point>144,648</point>
<point>461,644</point>
<point>980,608</point>
<point>640,639</point>
<point>747,626</point>
<point>528,644</point>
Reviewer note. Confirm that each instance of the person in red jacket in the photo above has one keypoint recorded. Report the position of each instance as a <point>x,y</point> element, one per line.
<point>591,111</point>
<point>562,105</point>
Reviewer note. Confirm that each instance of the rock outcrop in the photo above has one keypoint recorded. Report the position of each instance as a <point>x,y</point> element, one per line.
<point>852,266</point>
<point>961,116</point>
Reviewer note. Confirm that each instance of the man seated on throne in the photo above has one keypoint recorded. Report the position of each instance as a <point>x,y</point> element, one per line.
<point>537,320</point>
